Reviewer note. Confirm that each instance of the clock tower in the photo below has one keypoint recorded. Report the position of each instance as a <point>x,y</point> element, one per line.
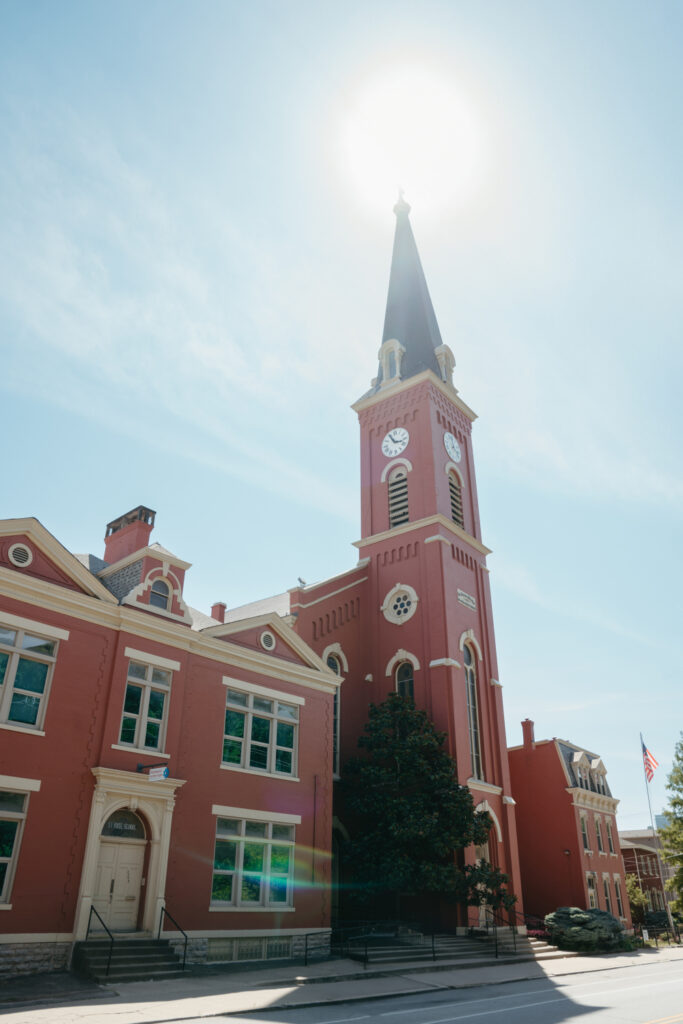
<point>414,616</point>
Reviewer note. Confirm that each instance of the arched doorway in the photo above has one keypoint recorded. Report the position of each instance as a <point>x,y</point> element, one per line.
<point>118,879</point>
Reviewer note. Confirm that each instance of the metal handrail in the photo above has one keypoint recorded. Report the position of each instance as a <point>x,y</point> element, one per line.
<point>111,937</point>
<point>173,920</point>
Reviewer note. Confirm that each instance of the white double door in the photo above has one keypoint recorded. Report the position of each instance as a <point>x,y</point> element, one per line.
<point>118,883</point>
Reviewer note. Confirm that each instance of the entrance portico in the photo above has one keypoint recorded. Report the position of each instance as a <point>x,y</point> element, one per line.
<point>112,879</point>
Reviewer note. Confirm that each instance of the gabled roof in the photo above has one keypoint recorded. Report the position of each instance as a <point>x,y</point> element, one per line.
<point>64,560</point>
<point>232,630</point>
<point>409,315</point>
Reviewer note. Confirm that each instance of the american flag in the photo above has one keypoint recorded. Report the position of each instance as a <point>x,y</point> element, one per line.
<point>650,762</point>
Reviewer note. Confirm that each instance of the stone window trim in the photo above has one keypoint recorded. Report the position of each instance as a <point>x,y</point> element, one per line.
<point>28,654</point>
<point>14,802</point>
<point>261,732</point>
<point>253,865</point>
<point>146,700</point>
<point>400,604</point>
<point>592,889</point>
<point>394,464</point>
<point>401,655</point>
<point>468,637</point>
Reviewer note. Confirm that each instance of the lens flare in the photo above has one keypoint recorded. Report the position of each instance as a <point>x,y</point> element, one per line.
<point>410,128</point>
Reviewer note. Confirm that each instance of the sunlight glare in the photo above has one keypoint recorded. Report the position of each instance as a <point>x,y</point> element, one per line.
<point>410,128</point>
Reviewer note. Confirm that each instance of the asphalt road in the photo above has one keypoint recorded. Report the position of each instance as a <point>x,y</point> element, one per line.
<point>651,994</point>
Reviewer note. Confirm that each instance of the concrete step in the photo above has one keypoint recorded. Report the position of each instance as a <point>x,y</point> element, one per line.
<point>132,959</point>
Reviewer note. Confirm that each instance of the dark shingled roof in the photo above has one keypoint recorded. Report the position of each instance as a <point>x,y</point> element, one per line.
<point>410,316</point>
<point>567,753</point>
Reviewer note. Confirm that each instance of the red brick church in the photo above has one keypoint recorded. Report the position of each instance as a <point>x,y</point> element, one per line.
<point>107,677</point>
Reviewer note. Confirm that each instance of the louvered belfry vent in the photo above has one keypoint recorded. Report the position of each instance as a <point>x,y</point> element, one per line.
<point>456,500</point>
<point>398,498</point>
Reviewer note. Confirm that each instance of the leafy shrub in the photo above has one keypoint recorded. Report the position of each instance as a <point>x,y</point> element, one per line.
<point>585,930</point>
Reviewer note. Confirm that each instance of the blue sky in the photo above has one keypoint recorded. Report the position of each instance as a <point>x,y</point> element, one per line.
<point>192,288</point>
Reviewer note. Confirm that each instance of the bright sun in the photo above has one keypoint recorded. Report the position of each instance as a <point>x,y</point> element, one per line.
<point>410,128</point>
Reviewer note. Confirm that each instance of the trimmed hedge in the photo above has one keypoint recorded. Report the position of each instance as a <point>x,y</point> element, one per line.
<point>585,930</point>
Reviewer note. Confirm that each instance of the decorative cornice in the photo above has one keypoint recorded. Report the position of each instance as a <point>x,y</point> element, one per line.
<point>67,602</point>
<point>438,519</point>
<point>445,663</point>
<point>591,801</point>
<point>449,392</point>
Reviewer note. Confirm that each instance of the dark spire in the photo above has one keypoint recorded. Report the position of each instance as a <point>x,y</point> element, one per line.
<point>410,315</point>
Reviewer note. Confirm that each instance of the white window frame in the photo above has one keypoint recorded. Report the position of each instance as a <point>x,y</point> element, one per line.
<point>15,654</point>
<point>585,838</point>
<point>239,874</point>
<point>592,890</point>
<point>598,833</point>
<point>19,787</point>
<point>610,837</point>
<point>251,696</point>
<point>148,685</point>
<point>607,893</point>
<point>618,894</point>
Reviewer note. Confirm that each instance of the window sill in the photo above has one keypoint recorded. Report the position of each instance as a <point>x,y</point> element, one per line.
<point>21,728</point>
<point>5,906</point>
<point>257,771</point>
<point>251,910</point>
<point>602,853</point>
<point>140,750</point>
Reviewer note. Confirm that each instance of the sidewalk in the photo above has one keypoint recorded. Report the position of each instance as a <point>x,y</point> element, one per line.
<point>336,981</point>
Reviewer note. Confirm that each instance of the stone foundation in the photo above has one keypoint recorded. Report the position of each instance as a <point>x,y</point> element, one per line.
<point>245,949</point>
<point>33,958</point>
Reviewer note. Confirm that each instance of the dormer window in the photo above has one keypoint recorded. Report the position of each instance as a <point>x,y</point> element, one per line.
<point>446,361</point>
<point>160,595</point>
<point>390,359</point>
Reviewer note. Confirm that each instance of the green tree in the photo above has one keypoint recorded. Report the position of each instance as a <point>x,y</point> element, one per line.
<point>672,834</point>
<point>636,898</point>
<point>411,817</point>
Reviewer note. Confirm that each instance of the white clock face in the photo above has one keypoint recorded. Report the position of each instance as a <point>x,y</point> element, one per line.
<point>452,447</point>
<point>395,442</point>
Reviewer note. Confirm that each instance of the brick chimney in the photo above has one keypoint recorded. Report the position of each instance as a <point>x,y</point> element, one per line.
<point>128,533</point>
<point>218,611</point>
<point>528,733</point>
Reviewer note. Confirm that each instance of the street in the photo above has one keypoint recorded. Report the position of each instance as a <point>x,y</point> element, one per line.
<point>632,995</point>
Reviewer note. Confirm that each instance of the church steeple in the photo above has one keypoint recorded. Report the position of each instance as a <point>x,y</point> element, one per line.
<point>410,319</point>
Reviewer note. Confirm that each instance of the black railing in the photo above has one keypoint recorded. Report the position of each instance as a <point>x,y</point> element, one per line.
<point>111,937</point>
<point>658,935</point>
<point>495,924</point>
<point>173,921</point>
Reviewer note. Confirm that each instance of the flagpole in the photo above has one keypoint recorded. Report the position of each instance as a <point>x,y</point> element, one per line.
<point>655,838</point>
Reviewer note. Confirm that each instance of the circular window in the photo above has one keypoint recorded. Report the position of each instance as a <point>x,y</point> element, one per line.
<point>400,604</point>
<point>268,640</point>
<point>20,555</point>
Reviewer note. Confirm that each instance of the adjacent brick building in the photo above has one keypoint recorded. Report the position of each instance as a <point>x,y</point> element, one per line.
<point>568,840</point>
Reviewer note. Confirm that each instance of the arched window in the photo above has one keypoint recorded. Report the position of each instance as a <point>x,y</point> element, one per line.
<point>455,490</point>
<point>334,664</point>
<point>160,594</point>
<point>404,679</point>
<point>473,711</point>
<point>398,496</point>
